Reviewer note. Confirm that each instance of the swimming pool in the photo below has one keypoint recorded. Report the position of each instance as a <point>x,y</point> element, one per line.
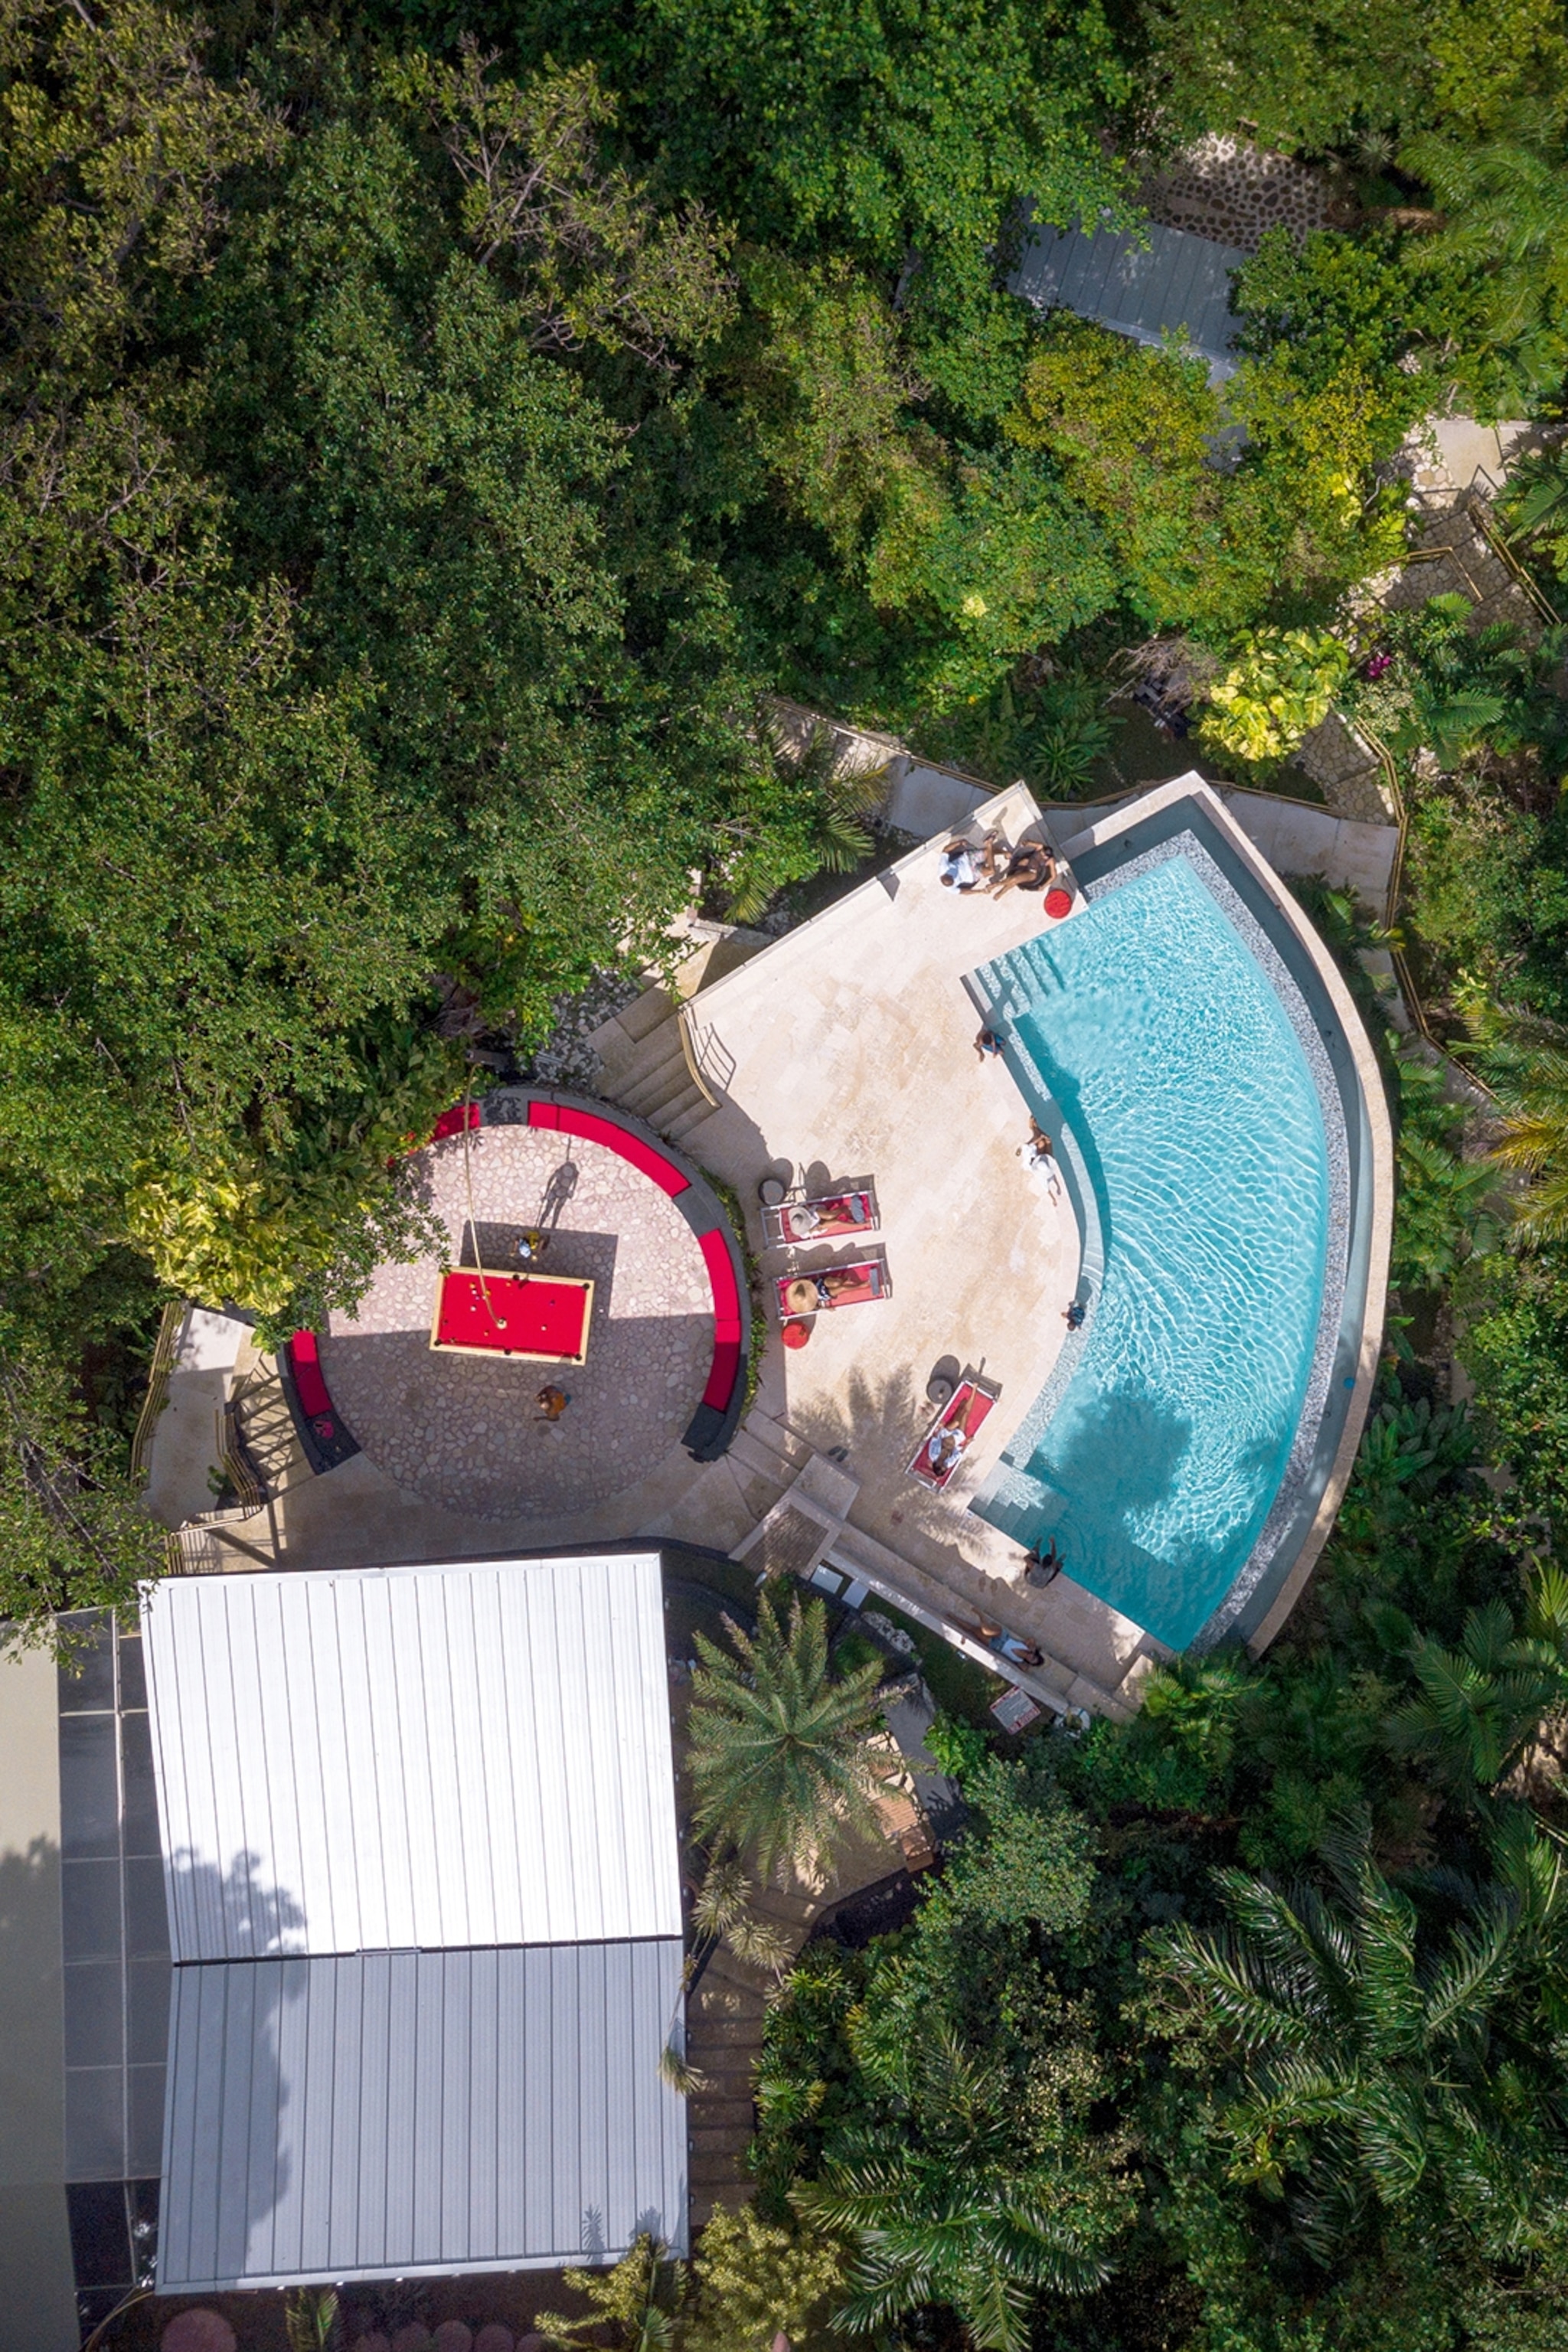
<point>1169,1054</point>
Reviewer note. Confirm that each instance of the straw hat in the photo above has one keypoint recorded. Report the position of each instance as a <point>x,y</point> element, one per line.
<point>800,1296</point>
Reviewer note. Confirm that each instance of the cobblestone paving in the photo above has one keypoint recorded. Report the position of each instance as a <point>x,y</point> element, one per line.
<point>1226,188</point>
<point>464,1432</point>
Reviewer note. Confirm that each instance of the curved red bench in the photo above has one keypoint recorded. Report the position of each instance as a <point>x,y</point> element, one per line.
<point>320,1424</point>
<point>594,1129</point>
<point>453,1122</point>
<point>727,1367</point>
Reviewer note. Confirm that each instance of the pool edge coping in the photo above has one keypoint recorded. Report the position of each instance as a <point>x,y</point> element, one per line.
<point>1192,788</point>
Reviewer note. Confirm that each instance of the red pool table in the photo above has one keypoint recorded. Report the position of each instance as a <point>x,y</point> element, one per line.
<point>542,1318</point>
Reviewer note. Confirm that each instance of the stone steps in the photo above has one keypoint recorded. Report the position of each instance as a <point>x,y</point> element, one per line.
<point>265,1428</point>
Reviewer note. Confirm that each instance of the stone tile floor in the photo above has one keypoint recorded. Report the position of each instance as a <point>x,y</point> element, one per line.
<point>464,1432</point>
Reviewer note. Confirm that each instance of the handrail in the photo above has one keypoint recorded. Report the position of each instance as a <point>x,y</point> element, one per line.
<point>158,1373</point>
<point>692,1053</point>
<point>688,1055</point>
<point>1497,540</point>
<point>233,1459</point>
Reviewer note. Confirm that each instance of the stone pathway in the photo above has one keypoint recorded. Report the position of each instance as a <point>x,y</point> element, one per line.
<point>463,1431</point>
<point>1228,189</point>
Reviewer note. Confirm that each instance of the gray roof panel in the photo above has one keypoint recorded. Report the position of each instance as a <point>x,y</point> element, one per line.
<point>1177,284</point>
<point>396,2112</point>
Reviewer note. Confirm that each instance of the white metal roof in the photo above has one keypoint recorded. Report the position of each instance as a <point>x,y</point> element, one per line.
<point>462,1754</point>
<point>395,2112</point>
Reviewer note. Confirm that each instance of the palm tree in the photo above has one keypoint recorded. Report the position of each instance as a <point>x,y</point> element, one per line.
<point>1504,219</point>
<point>940,2210</point>
<point>1526,1062</point>
<point>1373,2064</point>
<point>803,806</point>
<point>778,1756</point>
<point>1481,1707</point>
<point>640,2300</point>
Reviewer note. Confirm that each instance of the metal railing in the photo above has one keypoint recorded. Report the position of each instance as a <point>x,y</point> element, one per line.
<point>158,1373</point>
<point>709,1063</point>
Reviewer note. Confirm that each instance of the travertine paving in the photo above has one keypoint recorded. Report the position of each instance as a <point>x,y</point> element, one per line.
<point>464,1432</point>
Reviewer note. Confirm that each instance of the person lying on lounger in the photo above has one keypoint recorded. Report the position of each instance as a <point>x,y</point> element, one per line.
<point>945,1450</point>
<point>833,1285</point>
<point>1030,867</point>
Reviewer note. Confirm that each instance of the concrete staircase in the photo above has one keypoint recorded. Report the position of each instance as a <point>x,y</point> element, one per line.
<point>643,1061</point>
<point>265,1428</point>
<point>651,1076</point>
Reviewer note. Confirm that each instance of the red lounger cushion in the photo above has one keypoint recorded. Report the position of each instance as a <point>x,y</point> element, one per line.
<point>305,1363</point>
<point>721,1278</point>
<point>721,1385</point>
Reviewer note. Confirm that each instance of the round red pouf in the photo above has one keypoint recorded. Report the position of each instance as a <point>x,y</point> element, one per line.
<point>795,1335</point>
<point>1058,903</point>
<point>198,2331</point>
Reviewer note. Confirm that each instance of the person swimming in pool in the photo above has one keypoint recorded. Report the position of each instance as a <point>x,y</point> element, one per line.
<point>1043,1567</point>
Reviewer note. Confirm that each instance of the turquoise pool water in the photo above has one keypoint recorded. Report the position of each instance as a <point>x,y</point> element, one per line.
<point>1170,1056</point>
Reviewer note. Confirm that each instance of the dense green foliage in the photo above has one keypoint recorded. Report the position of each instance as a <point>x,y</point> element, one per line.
<point>429,434</point>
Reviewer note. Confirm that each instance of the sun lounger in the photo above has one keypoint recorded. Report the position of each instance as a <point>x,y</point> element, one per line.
<point>853,1286</point>
<point>826,1218</point>
<point>963,1413</point>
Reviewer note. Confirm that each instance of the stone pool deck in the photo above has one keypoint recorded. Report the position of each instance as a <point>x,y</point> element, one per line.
<point>849,1046</point>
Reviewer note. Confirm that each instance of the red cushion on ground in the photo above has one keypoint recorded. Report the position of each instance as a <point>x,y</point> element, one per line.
<point>512,1314</point>
<point>594,1129</point>
<point>1058,903</point>
<point>795,1334</point>
<point>721,1276</point>
<point>305,1363</point>
<point>540,1114</point>
<point>721,1385</point>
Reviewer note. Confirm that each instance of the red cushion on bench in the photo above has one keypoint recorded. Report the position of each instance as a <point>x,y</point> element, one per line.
<point>721,1385</point>
<point>721,1276</point>
<point>305,1363</point>
<point>542,1114</point>
<point>453,1121</point>
<point>594,1129</point>
<point>726,1326</point>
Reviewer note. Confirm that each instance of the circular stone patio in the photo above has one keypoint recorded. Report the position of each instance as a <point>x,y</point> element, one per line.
<point>464,1432</point>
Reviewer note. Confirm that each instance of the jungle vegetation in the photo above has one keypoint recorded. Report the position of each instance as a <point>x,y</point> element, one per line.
<point>430,432</point>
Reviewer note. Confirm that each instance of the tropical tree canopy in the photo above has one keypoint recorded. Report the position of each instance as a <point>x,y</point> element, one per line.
<point>779,1759</point>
